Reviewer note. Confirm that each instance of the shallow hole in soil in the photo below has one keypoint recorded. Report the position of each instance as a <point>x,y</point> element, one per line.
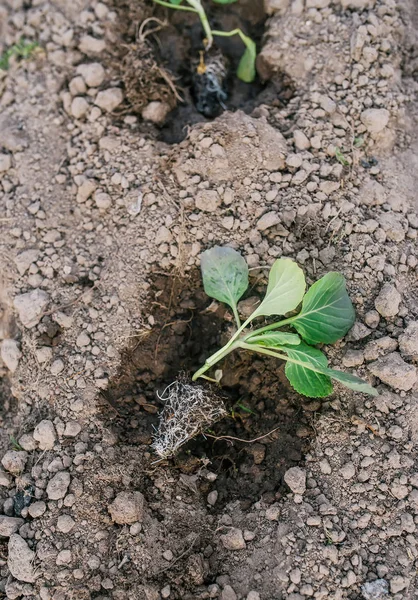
<point>186,328</point>
<point>177,47</point>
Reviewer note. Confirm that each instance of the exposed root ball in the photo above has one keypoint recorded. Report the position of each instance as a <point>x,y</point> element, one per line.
<point>189,409</point>
<point>209,77</point>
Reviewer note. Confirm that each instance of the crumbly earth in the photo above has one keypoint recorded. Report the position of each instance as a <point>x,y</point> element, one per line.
<point>94,208</point>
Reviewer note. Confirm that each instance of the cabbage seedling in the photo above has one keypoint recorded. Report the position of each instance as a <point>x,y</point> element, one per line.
<point>326,314</point>
<point>246,68</point>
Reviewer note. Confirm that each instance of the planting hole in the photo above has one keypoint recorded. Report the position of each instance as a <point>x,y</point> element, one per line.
<point>162,67</point>
<point>187,328</point>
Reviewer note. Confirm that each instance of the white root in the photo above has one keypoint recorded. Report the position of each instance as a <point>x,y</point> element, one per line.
<point>189,409</point>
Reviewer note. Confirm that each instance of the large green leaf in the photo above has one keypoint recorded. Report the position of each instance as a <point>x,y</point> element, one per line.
<point>225,274</point>
<point>273,339</point>
<point>301,375</point>
<point>246,68</point>
<point>352,382</point>
<point>327,313</point>
<point>285,289</point>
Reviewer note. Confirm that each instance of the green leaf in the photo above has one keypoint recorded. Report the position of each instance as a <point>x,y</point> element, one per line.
<point>175,2</point>
<point>225,274</point>
<point>353,382</point>
<point>246,68</point>
<point>340,157</point>
<point>327,313</point>
<point>301,376</point>
<point>285,289</point>
<point>272,339</point>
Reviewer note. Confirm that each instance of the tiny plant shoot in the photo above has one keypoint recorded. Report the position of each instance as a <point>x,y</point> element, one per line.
<point>326,314</point>
<point>246,68</point>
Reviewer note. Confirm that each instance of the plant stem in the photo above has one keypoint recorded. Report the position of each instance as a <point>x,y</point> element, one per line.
<point>246,40</point>
<point>270,327</point>
<point>196,7</point>
<point>236,315</point>
<point>212,360</point>
<point>177,7</point>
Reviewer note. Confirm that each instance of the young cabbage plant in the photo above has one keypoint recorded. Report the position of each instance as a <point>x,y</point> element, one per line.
<point>325,316</point>
<point>246,68</point>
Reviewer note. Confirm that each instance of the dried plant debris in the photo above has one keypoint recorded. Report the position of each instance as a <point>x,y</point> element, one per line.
<point>189,409</point>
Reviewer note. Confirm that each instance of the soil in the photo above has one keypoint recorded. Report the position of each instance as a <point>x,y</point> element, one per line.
<point>104,216</point>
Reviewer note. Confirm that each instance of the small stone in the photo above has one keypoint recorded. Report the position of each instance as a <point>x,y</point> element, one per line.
<point>348,471</point>
<point>273,512</point>
<point>27,442</point>
<point>165,592</point>
<point>269,219</point>
<point>379,347</point>
<point>212,497</point>
<point>102,200</point>
<point>72,429</point>
<point>43,354</point>
<point>65,523</point>
<point>353,358</point>
<point>301,140</point>
<point>314,521</point>
<point>247,307</point>
<point>79,107</point>
<point>372,319</point>
<point>208,200</point>
<point>375,590</point>
<point>326,103</point>
<point>127,508</point>
<point>57,486</point>
<point>375,119</point>
<point>228,593</point>
<point>168,555</point>
<point>85,190</point>
<point>77,86</point>
<point>9,525</point>
<point>37,509</point>
<point>295,576</point>
<point>44,434</point>
<point>31,306</point>
<point>388,301</point>
<point>5,162</point>
<point>57,367</point>
<point>394,371</point>
<point>25,259</point>
<point>328,187</point>
<point>295,477</point>
<point>163,235</point>
<point>156,112</point>
<point>92,73</point>
<point>398,583</point>
<point>358,332</point>
<point>253,595</point>
<point>10,354</point>
<point>399,491</point>
<point>109,99</point>
<point>82,340</point>
<point>20,559</point>
<point>233,539</point>
<point>14,461</point>
<point>90,45</point>
<point>408,341</point>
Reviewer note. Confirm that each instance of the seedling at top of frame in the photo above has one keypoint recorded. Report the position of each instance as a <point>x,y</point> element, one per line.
<point>326,314</point>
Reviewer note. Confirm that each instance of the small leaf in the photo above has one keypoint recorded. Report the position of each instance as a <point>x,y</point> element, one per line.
<point>246,68</point>
<point>272,339</point>
<point>225,274</point>
<point>353,382</point>
<point>340,157</point>
<point>301,376</point>
<point>327,312</point>
<point>358,142</point>
<point>285,289</point>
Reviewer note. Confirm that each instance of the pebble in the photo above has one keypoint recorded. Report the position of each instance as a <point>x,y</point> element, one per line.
<point>233,539</point>
<point>20,559</point>
<point>208,200</point>
<point>269,219</point>
<point>5,162</point>
<point>398,583</point>
<point>65,523</point>
<point>102,200</point>
<point>72,429</point>
<point>85,190</point>
<point>90,45</point>
<point>156,112</point>
<point>57,367</point>
<point>372,319</point>
<point>408,341</point>
<point>9,525</point>
<point>166,591</point>
<point>92,73</point>
<point>253,595</point>
<point>388,301</point>
<point>82,340</point>
<point>212,497</point>
<point>295,477</point>
<point>301,140</point>
<point>375,119</point>
<point>379,347</point>
<point>109,99</point>
<point>353,358</point>
<point>348,470</point>
<point>79,107</point>
<point>63,558</point>
<point>394,371</point>
<point>31,306</point>
<point>44,433</point>
<point>25,259</point>
<point>57,486</point>
<point>37,509</point>
<point>273,512</point>
<point>375,590</point>
<point>10,354</point>
<point>127,508</point>
<point>14,461</point>
<point>228,593</point>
